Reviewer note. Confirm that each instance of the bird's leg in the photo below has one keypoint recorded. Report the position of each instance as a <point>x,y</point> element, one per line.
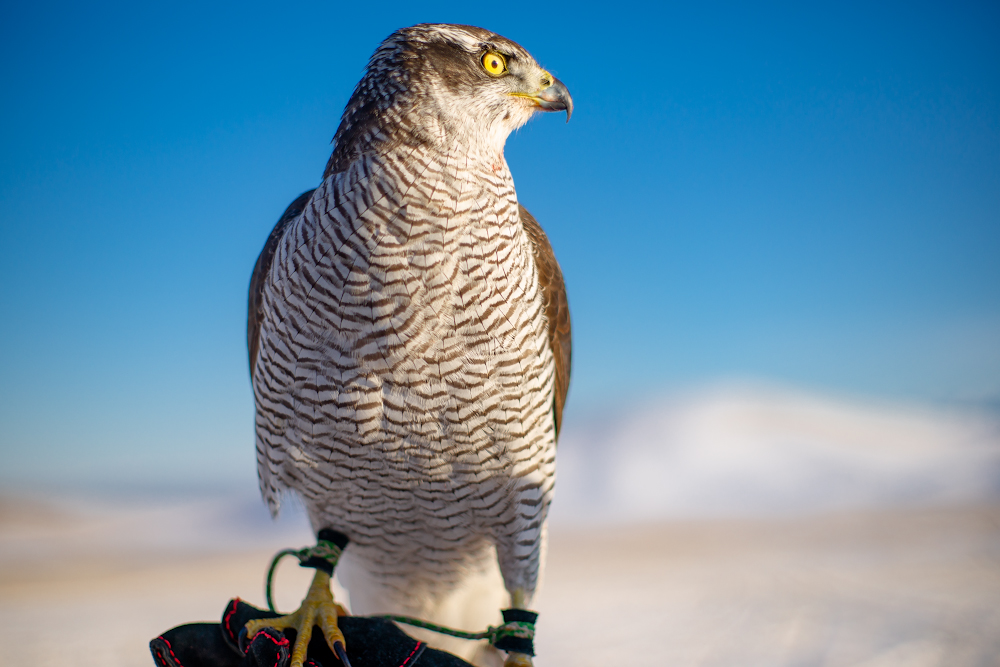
<point>517,603</point>
<point>318,607</point>
<point>517,598</point>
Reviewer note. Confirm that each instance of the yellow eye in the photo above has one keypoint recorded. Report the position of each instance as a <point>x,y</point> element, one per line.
<point>494,64</point>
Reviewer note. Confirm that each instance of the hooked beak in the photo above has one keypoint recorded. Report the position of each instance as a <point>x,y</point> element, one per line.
<point>554,98</point>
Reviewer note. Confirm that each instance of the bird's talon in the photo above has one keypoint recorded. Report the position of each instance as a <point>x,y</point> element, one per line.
<point>318,608</point>
<point>341,652</point>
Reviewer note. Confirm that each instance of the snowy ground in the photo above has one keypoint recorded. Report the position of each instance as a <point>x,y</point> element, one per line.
<point>730,528</point>
<point>907,588</point>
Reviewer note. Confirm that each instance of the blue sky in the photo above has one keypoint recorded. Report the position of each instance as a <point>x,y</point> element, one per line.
<point>806,195</point>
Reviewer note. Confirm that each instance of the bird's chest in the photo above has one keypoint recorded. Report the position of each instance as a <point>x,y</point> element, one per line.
<point>417,314</point>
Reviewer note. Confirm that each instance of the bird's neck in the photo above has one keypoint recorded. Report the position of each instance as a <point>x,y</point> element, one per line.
<point>430,129</point>
<point>421,197</point>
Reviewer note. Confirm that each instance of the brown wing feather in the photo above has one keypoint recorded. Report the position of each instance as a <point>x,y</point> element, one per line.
<point>255,313</point>
<point>556,308</point>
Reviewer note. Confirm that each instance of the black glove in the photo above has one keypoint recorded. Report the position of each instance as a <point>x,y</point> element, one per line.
<point>371,642</point>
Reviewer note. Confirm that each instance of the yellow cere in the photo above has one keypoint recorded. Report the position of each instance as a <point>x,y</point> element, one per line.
<point>494,64</point>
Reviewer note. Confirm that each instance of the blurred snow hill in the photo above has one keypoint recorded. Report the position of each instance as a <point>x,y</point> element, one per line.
<point>740,450</point>
<point>732,451</point>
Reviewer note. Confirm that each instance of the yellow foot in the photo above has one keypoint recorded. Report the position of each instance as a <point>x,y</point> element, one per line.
<point>515,659</point>
<point>319,609</point>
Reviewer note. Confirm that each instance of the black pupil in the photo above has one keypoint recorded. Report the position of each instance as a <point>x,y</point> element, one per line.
<point>494,63</point>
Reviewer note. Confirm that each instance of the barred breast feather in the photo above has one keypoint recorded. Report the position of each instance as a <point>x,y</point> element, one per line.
<point>404,371</point>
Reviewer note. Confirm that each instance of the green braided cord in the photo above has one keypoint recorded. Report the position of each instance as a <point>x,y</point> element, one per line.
<point>328,551</point>
<point>518,629</point>
<point>416,622</point>
<point>270,575</point>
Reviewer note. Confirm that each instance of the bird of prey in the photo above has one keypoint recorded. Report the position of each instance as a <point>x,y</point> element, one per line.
<point>409,341</point>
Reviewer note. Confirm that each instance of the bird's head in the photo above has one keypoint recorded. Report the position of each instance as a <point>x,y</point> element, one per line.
<point>445,84</point>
